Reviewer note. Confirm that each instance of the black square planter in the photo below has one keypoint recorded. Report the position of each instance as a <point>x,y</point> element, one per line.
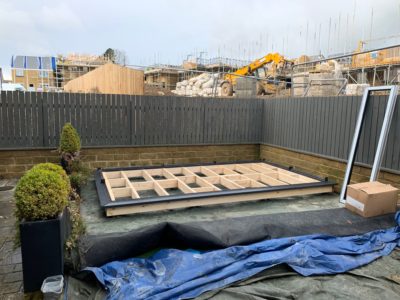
<point>42,248</point>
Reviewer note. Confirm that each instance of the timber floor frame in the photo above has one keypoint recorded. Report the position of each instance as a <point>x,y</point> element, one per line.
<point>132,190</point>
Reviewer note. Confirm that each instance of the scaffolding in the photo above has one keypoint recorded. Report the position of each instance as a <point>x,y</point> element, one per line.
<point>36,75</point>
<point>75,65</point>
<point>372,67</point>
<point>167,76</point>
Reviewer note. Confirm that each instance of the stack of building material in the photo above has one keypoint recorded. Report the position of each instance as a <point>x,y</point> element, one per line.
<point>325,80</point>
<point>356,89</point>
<point>189,65</point>
<point>300,83</point>
<point>324,84</point>
<point>246,87</point>
<point>367,59</point>
<point>376,58</point>
<point>202,85</point>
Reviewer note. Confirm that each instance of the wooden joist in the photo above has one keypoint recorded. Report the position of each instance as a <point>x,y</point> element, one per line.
<point>231,176</point>
<point>173,184</point>
<point>124,210</point>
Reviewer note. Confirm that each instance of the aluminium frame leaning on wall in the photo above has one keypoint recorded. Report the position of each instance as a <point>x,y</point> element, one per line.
<point>382,138</point>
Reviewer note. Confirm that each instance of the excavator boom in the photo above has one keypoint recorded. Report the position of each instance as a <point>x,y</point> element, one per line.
<point>247,70</point>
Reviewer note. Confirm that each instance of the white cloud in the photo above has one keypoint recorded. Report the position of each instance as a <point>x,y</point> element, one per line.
<point>58,18</point>
<point>171,29</point>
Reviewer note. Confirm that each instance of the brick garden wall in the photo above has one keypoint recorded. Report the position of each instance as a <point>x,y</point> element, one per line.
<point>15,163</point>
<point>323,167</point>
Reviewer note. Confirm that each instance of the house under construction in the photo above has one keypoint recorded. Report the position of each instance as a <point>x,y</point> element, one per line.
<point>50,73</point>
<point>341,74</point>
<point>167,76</point>
<point>347,74</point>
<point>75,65</point>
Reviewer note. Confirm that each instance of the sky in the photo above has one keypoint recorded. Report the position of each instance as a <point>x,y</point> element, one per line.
<point>167,31</point>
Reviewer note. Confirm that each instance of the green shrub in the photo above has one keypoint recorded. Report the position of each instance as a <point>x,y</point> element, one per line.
<point>70,141</point>
<point>78,180</point>
<point>78,166</point>
<point>53,168</point>
<point>79,175</point>
<point>41,194</point>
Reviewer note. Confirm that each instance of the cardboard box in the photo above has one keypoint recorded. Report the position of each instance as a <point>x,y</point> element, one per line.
<point>370,199</point>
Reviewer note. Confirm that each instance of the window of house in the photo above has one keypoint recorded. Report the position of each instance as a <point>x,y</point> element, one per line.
<point>43,87</point>
<point>43,74</point>
<point>31,85</point>
<point>19,72</point>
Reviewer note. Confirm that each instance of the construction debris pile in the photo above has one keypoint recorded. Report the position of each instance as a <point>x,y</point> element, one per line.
<point>204,85</point>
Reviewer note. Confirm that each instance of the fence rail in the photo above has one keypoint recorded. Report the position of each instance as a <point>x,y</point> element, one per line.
<point>32,120</point>
<point>319,125</point>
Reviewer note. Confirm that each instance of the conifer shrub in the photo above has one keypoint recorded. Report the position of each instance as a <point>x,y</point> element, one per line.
<point>70,141</point>
<point>70,145</point>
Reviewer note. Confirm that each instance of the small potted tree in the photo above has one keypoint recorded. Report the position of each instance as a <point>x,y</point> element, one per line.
<point>41,198</point>
<point>70,145</point>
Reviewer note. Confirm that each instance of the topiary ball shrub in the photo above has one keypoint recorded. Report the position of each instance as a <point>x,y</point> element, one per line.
<point>70,141</point>
<point>41,194</point>
<point>53,168</point>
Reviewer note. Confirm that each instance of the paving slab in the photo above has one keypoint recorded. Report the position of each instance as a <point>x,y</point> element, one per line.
<point>10,258</point>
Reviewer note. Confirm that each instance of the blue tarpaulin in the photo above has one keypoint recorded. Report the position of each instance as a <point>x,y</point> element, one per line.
<point>176,274</point>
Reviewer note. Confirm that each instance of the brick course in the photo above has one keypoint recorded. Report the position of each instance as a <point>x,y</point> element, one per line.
<point>14,163</point>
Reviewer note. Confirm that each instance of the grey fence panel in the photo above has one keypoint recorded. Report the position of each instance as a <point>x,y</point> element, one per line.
<point>19,117</point>
<point>394,135</point>
<point>35,120</point>
<point>319,125</point>
<point>5,137</point>
<point>325,126</point>
<point>3,120</point>
<point>31,120</point>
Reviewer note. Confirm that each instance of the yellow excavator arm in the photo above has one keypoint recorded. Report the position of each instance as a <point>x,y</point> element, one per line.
<point>249,69</point>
